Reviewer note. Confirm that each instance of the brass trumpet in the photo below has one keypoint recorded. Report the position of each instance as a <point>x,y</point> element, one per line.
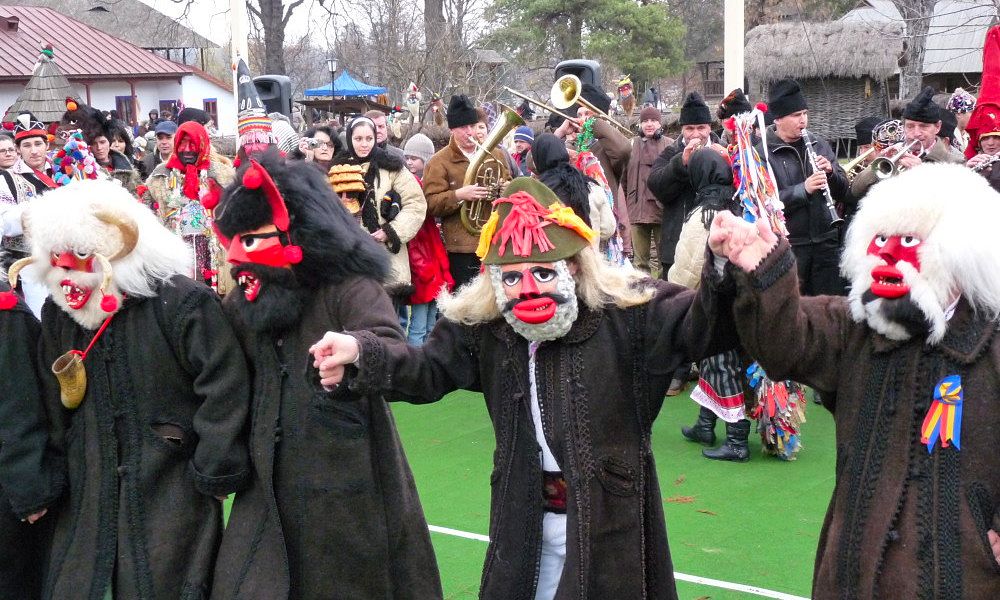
<point>538,103</point>
<point>567,91</point>
<point>885,167</point>
<point>486,171</point>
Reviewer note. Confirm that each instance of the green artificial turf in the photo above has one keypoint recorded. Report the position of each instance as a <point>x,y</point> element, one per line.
<point>752,523</point>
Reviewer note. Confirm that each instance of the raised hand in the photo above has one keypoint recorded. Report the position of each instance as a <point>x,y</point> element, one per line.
<point>331,354</point>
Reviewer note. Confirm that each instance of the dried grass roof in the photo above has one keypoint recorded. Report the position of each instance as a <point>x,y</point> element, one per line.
<point>834,49</point>
<point>45,94</point>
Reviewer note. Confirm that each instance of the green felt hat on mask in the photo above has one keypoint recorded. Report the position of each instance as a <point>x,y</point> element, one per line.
<point>530,224</point>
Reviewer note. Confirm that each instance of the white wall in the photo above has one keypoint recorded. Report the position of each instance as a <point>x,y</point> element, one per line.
<point>196,90</point>
<point>192,91</point>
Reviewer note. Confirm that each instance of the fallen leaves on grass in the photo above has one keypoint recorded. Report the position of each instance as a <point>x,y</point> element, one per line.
<point>703,598</point>
<point>707,512</point>
<point>679,499</point>
<point>680,480</point>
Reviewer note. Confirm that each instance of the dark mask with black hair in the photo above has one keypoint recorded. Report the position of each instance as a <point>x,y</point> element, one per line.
<point>187,157</point>
<point>279,303</point>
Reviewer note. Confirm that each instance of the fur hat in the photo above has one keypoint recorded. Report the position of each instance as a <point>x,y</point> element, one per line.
<point>530,225</point>
<point>461,112</point>
<point>922,107</point>
<point>863,129</point>
<point>694,111</point>
<point>735,103</point>
<point>193,114</point>
<point>420,146</point>
<point>948,125</point>
<point>332,245</point>
<point>785,97</point>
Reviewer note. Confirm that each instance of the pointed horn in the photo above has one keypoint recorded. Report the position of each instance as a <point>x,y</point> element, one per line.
<point>15,268</point>
<point>109,303</point>
<point>128,228</point>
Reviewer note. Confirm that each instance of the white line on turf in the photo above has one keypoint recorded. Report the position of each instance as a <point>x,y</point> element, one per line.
<point>738,587</point>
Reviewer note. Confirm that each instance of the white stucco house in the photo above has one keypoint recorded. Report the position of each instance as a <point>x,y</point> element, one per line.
<point>105,71</point>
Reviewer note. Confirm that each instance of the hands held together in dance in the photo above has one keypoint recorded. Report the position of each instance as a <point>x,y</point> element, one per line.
<point>744,244</point>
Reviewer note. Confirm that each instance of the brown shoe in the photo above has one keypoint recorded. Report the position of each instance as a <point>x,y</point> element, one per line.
<point>676,387</point>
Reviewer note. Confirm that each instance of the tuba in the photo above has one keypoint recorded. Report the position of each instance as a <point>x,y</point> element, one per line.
<point>488,172</point>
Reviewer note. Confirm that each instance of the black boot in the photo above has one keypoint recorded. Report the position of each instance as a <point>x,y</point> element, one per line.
<point>703,430</point>
<point>735,447</point>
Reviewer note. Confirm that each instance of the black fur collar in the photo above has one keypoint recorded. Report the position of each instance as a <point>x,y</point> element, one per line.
<point>379,157</point>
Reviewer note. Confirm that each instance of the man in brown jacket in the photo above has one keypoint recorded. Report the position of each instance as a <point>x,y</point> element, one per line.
<point>443,177</point>
<point>916,505</point>
<point>644,212</point>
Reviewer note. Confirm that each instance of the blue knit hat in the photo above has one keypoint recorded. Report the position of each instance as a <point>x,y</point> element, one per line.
<point>524,134</point>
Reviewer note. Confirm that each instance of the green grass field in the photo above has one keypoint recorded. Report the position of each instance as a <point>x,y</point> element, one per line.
<point>752,523</point>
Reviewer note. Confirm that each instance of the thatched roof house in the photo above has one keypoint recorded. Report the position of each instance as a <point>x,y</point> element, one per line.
<point>842,67</point>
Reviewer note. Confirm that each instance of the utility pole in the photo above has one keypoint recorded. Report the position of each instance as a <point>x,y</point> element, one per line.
<point>733,53</point>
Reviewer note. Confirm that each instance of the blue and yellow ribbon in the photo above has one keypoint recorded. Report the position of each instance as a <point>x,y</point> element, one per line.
<point>944,417</point>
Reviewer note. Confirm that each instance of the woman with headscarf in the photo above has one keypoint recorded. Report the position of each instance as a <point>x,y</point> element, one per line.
<point>720,389</point>
<point>392,206</point>
<point>581,193</point>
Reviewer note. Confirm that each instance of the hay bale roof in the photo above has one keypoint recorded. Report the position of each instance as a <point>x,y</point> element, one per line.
<point>834,49</point>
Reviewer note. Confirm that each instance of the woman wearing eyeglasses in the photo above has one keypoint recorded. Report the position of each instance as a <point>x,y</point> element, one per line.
<point>318,145</point>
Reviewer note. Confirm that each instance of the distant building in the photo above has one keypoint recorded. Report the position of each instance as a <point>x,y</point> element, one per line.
<point>105,71</point>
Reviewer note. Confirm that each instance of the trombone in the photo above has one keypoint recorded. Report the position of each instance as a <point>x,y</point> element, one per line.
<point>567,91</point>
<point>539,103</point>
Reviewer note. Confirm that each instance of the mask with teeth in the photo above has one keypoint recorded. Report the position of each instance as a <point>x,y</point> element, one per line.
<point>895,298</point>
<point>72,279</point>
<point>536,314</point>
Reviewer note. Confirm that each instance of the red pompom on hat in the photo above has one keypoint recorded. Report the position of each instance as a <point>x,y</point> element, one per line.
<point>8,300</point>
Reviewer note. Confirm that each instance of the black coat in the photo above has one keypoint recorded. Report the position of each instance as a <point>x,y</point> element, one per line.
<point>806,215</point>
<point>159,434</point>
<point>31,476</point>
<point>671,184</point>
<point>333,512</point>
<point>600,388</point>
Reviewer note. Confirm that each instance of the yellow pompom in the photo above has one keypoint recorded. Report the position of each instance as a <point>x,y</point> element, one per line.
<point>486,235</point>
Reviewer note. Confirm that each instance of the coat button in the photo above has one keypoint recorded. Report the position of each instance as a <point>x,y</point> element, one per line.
<point>122,470</point>
<point>892,536</point>
<point>279,343</point>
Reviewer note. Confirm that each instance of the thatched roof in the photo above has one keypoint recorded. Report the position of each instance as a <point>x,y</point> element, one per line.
<point>46,92</point>
<point>835,49</point>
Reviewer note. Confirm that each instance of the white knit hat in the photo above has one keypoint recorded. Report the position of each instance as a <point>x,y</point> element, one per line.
<point>419,146</point>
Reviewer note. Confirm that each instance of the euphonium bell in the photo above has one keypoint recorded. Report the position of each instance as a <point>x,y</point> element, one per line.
<point>72,376</point>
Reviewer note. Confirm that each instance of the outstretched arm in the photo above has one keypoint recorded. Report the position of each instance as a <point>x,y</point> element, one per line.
<point>792,337</point>
<point>368,364</point>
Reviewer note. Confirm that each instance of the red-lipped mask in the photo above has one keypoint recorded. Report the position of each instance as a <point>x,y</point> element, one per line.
<point>887,280</point>
<point>77,295</point>
<point>263,246</point>
<point>531,305</point>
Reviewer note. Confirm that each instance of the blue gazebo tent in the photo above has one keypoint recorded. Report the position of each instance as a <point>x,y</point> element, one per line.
<point>346,86</point>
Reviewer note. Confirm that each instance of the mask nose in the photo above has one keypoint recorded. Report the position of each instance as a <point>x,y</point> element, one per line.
<point>529,288</point>
<point>236,254</point>
<point>890,252</point>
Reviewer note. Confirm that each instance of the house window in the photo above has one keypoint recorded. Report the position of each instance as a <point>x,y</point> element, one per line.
<point>211,106</point>
<point>168,107</point>
<point>126,108</point>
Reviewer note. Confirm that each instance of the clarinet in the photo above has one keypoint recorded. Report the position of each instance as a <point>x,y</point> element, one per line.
<point>835,219</point>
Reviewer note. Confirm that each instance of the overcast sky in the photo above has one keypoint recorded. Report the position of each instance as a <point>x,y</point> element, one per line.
<point>210,18</point>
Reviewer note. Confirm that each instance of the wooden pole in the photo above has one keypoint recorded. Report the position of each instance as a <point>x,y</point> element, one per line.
<point>733,54</point>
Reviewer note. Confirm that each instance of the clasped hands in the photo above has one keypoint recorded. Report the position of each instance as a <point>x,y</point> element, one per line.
<point>744,244</point>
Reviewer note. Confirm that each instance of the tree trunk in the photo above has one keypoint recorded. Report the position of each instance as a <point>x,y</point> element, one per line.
<point>274,36</point>
<point>917,15</point>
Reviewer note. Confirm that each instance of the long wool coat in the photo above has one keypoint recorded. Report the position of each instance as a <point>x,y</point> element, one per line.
<point>903,522</point>
<point>333,512</point>
<point>159,434</point>
<point>600,387</point>
<point>31,478</point>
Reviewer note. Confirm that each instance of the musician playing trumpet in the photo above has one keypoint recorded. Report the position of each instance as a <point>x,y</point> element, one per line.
<point>921,124</point>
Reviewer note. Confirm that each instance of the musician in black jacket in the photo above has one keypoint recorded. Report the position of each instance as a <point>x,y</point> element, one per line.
<point>811,232</point>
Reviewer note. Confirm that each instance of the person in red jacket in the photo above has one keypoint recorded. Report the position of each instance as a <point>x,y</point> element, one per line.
<point>429,268</point>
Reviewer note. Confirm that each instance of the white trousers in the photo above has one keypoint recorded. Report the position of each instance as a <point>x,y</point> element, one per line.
<point>550,566</point>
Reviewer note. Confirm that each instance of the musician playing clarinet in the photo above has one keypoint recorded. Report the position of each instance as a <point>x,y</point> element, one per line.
<point>806,188</point>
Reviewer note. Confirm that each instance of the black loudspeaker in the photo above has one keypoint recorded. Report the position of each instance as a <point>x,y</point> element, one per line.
<point>275,92</point>
<point>589,71</point>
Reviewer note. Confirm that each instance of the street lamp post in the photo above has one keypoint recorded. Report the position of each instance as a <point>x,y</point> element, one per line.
<point>331,65</point>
